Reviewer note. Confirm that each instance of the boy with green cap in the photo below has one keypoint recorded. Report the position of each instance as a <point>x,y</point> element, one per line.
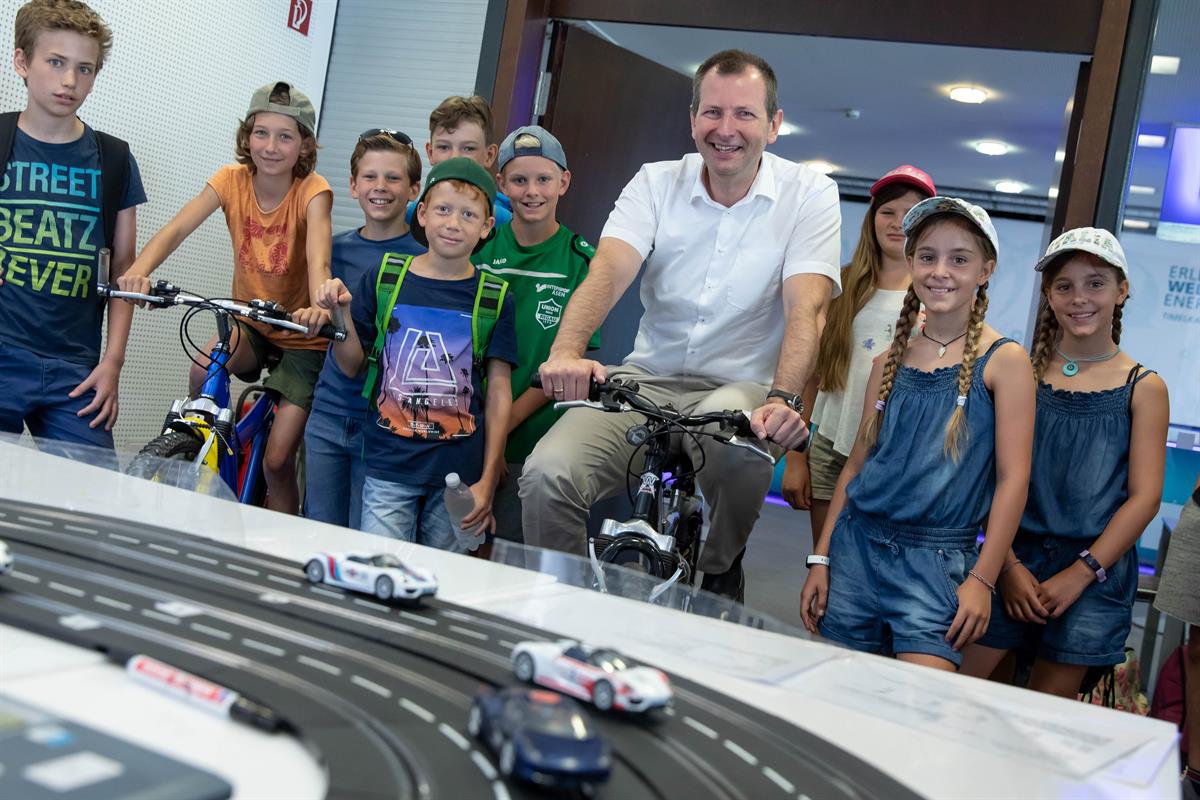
<point>431,332</point>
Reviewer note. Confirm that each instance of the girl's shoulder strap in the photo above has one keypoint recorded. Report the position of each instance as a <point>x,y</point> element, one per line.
<point>1136,373</point>
<point>996,345</point>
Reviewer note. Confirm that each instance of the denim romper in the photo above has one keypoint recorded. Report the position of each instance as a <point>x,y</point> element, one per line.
<point>1078,481</point>
<point>907,535</point>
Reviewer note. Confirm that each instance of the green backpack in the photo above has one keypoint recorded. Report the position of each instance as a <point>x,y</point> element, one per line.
<point>489,299</point>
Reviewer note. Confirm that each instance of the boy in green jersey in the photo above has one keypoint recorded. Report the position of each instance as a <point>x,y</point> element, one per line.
<point>543,262</point>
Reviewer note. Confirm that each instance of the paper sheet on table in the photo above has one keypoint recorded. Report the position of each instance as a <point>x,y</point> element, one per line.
<point>1074,741</point>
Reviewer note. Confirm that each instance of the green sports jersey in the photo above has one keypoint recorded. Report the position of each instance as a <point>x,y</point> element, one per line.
<point>540,279</point>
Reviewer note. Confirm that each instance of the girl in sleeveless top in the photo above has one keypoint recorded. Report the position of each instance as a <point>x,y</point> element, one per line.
<point>943,447</point>
<point>1067,588</point>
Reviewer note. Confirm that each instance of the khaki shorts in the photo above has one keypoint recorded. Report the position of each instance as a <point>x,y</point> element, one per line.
<point>292,373</point>
<point>824,466</point>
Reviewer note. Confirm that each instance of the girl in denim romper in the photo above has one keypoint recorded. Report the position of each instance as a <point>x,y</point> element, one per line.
<point>1067,587</point>
<point>943,447</point>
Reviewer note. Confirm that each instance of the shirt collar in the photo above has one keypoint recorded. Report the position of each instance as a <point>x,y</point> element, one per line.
<point>764,183</point>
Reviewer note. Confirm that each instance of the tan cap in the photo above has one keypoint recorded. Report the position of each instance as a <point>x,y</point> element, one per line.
<point>298,106</point>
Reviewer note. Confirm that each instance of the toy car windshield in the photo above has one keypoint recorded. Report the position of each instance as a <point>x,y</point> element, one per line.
<point>609,661</point>
<point>558,720</point>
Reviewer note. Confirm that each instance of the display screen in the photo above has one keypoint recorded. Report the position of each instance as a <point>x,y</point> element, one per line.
<point>1179,220</point>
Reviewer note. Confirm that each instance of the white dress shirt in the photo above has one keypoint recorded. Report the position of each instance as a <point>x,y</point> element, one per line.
<point>713,284</point>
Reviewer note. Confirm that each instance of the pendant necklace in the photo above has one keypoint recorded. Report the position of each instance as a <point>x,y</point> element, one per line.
<point>942,345</point>
<point>1072,366</point>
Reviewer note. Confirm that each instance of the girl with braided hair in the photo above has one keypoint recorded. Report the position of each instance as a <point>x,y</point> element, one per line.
<point>1067,587</point>
<point>943,448</point>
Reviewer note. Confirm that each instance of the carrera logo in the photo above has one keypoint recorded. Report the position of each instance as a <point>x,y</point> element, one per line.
<point>299,13</point>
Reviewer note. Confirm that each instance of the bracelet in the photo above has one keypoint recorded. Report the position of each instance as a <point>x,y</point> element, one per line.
<point>1008,566</point>
<point>991,586</point>
<point>1094,565</point>
<point>814,560</point>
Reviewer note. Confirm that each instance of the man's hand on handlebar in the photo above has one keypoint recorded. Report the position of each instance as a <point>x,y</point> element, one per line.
<point>566,379</point>
<point>780,424</point>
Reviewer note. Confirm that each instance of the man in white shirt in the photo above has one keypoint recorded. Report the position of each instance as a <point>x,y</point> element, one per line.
<point>741,249</point>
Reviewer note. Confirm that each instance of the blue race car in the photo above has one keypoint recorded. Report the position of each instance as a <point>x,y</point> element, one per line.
<point>540,737</point>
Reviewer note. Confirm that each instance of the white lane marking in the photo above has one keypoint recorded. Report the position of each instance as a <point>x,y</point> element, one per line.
<point>264,647</point>
<point>507,644</point>
<point>178,608</point>
<point>321,665</point>
<point>284,581</point>
<point>35,521</point>
<point>71,590</point>
<point>458,615</point>
<point>484,765</point>
<point>500,791</point>
<point>370,686</point>
<point>741,752</point>
<point>369,604</point>
<point>79,622</point>
<point>409,705</point>
<point>326,592</point>
<point>670,712</point>
<point>241,569</point>
<point>162,548</point>
<point>121,538</point>
<point>483,637</point>
<point>204,559</point>
<point>779,780</point>
<point>108,601</point>
<point>418,618</point>
<point>454,736</point>
<point>152,614</point>
<point>210,631</point>
<point>80,529</point>
<point>700,726</point>
<point>25,576</point>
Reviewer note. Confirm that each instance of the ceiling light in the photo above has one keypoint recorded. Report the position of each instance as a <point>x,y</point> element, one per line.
<point>1060,155</point>
<point>1164,65</point>
<point>1053,193</point>
<point>1136,189</point>
<point>991,148</point>
<point>823,167</point>
<point>1010,187</point>
<point>968,94</point>
<point>1151,140</point>
<point>1136,224</point>
<point>787,129</point>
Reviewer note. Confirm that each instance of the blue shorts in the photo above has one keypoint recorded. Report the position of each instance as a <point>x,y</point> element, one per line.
<point>412,513</point>
<point>1092,632</point>
<point>34,393</point>
<point>894,588</point>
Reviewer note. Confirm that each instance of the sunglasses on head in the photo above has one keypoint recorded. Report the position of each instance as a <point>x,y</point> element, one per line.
<point>398,136</point>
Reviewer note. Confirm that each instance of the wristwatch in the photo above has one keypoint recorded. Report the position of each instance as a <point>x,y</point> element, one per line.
<point>1087,558</point>
<point>811,560</point>
<point>792,401</point>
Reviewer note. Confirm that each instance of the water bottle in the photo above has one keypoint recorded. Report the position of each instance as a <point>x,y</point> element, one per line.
<point>459,503</point>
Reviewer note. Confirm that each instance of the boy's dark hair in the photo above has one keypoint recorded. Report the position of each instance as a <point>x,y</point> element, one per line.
<point>383,143</point>
<point>39,16</point>
<point>455,110</point>
<point>308,142</point>
<point>735,62</point>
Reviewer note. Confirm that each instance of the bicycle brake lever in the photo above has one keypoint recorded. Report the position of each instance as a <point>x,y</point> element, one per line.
<point>734,441</point>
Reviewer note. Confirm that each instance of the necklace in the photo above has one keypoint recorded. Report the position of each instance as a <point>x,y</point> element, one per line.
<point>1072,366</point>
<point>942,345</point>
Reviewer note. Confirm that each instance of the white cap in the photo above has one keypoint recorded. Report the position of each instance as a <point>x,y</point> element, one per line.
<point>952,205</point>
<point>1097,241</point>
<point>453,481</point>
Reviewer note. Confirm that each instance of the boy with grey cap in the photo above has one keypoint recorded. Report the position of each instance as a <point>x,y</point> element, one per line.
<point>543,261</point>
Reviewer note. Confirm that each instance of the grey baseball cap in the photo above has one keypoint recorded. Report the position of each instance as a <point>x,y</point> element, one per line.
<point>298,106</point>
<point>531,140</point>
<point>1096,241</point>
<point>952,205</point>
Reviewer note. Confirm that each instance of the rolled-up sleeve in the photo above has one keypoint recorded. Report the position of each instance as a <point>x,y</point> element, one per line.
<point>634,218</point>
<point>816,240</point>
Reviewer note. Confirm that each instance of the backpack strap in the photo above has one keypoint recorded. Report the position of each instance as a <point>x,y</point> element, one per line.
<point>489,299</point>
<point>391,274</point>
<point>114,181</point>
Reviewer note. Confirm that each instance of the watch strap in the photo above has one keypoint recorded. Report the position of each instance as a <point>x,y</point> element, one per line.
<point>793,401</point>
<point>815,559</point>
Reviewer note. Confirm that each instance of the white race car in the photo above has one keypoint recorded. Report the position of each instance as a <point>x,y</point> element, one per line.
<point>603,677</point>
<point>5,558</point>
<point>384,576</point>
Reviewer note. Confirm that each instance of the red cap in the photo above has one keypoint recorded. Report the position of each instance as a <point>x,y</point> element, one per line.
<point>906,174</point>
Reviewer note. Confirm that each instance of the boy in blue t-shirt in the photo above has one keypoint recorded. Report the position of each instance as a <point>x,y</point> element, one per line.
<point>52,228</point>
<point>385,175</point>
<point>429,418</point>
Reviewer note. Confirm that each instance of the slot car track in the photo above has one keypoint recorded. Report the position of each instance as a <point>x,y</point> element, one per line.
<point>378,693</point>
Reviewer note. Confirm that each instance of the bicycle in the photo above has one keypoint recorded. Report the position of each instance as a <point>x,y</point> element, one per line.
<point>663,536</point>
<point>205,430</point>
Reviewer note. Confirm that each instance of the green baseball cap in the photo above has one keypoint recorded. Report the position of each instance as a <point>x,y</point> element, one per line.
<point>298,106</point>
<point>458,169</point>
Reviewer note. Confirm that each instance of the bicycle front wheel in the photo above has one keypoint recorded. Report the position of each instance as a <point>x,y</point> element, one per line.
<point>155,460</point>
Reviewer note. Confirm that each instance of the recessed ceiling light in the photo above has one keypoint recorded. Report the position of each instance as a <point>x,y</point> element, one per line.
<point>1010,187</point>
<point>991,148</point>
<point>1060,155</point>
<point>1136,189</point>
<point>1151,140</point>
<point>1053,193</point>
<point>823,167</point>
<point>968,94</point>
<point>1164,65</point>
<point>787,129</point>
<point>1136,224</point>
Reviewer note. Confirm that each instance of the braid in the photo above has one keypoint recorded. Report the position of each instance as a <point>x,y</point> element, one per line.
<point>966,373</point>
<point>1116,325</point>
<point>1044,337</point>
<point>904,326</point>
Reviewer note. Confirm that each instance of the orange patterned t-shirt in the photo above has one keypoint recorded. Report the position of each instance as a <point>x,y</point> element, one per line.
<point>269,247</point>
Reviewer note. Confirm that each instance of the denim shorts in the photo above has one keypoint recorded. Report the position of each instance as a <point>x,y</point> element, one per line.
<point>894,588</point>
<point>1093,630</point>
<point>411,513</point>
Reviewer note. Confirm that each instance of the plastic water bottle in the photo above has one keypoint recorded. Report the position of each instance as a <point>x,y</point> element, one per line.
<point>459,503</point>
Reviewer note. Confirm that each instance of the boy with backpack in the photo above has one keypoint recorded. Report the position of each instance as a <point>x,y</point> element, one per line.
<point>434,335</point>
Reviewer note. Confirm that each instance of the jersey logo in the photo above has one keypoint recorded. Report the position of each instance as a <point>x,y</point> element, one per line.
<point>548,314</point>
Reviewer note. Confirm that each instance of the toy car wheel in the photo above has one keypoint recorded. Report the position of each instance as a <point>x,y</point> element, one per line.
<point>475,721</point>
<point>587,790</point>
<point>602,695</point>
<point>314,571</point>
<point>383,587</point>
<point>508,759</point>
<point>523,667</point>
